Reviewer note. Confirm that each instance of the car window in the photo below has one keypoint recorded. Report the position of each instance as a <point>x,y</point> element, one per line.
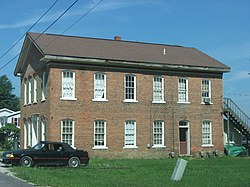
<point>38,146</point>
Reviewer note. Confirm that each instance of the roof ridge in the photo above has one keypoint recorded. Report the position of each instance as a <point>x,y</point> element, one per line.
<point>111,40</point>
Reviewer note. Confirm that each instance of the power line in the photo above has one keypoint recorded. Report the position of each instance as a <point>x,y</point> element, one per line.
<point>41,33</point>
<point>28,30</point>
<point>75,22</point>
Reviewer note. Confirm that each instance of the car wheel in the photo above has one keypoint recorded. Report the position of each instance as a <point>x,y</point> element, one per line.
<point>74,162</point>
<point>26,161</point>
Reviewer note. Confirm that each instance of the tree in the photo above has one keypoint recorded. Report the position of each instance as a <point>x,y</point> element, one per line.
<point>7,99</point>
<point>8,134</point>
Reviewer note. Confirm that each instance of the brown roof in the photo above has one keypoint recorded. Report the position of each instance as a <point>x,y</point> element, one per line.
<point>119,50</point>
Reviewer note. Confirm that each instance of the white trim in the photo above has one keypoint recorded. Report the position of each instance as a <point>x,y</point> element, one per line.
<point>73,131</point>
<point>99,100</point>
<point>186,90</point>
<point>134,88</point>
<point>134,134</point>
<point>68,99</point>
<point>104,138</point>
<point>209,91</point>
<point>70,72</point>
<point>163,134</point>
<point>210,133</point>
<point>162,90</point>
<point>99,147</point>
<point>179,102</point>
<point>104,85</point>
<point>187,126</point>
<point>43,87</point>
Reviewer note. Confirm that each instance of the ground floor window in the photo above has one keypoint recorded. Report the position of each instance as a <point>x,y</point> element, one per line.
<point>158,134</point>
<point>67,132</point>
<point>130,134</point>
<point>100,134</point>
<point>206,133</point>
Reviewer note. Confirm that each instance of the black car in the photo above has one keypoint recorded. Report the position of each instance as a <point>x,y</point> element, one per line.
<point>46,153</point>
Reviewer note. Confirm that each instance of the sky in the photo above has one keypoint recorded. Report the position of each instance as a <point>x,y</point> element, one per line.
<point>219,28</point>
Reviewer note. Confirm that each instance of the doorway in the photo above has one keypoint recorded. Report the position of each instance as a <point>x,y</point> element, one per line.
<point>184,138</point>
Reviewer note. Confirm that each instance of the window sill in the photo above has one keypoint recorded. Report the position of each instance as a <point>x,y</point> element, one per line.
<point>43,100</point>
<point>68,99</point>
<point>100,100</point>
<point>183,102</point>
<point>130,101</point>
<point>100,148</point>
<point>158,146</point>
<point>130,147</point>
<point>159,102</point>
<point>202,103</point>
<point>209,145</point>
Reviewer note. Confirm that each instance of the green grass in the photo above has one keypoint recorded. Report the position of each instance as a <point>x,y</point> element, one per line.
<point>142,172</point>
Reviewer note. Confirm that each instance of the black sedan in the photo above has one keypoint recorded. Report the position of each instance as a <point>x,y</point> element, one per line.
<point>46,153</point>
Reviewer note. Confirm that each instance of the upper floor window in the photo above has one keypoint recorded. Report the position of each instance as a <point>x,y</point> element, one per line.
<point>68,85</point>
<point>25,92</point>
<point>43,86</point>
<point>130,134</point>
<point>34,87</point>
<point>158,90</point>
<point>206,133</point>
<point>206,91</point>
<point>30,93</point>
<point>67,132</point>
<point>130,88</point>
<point>183,90</point>
<point>158,134</point>
<point>99,87</point>
<point>100,134</point>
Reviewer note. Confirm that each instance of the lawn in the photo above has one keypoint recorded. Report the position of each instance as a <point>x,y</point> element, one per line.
<point>142,172</point>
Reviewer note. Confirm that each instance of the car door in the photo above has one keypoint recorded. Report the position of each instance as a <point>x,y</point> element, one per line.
<point>55,154</point>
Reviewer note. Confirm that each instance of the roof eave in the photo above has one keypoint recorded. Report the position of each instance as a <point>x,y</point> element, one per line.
<point>51,58</point>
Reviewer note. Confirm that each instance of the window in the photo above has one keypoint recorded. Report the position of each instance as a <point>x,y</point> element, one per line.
<point>130,134</point>
<point>206,91</point>
<point>100,135</point>
<point>158,90</point>
<point>206,133</point>
<point>99,87</point>
<point>29,91</point>
<point>67,132</point>
<point>158,134</point>
<point>43,130</point>
<point>25,92</point>
<point>68,85</point>
<point>35,89</point>
<point>130,88</point>
<point>43,87</point>
<point>183,90</point>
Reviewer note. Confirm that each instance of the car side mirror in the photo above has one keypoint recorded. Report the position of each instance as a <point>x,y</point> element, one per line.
<point>43,149</point>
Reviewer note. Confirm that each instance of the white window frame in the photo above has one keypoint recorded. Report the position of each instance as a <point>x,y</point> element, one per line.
<point>25,90</point>
<point>206,91</point>
<point>100,87</point>
<point>206,136</point>
<point>43,130</point>
<point>158,133</point>
<point>183,90</point>
<point>71,124</point>
<point>65,80</point>
<point>29,91</point>
<point>43,87</point>
<point>127,88</point>
<point>35,89</point>
<point>100,129</point>
<point>130,132</point>
<point>158,90</point>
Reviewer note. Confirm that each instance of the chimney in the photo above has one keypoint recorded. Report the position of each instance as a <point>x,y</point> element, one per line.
<point>117,38</point>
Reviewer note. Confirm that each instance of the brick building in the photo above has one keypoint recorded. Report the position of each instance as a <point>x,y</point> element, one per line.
<point>120,98</point>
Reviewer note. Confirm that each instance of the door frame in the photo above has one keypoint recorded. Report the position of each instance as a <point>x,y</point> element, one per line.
<point>185,125</point>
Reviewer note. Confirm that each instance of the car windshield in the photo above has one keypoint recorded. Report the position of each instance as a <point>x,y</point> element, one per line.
<point>38,146</point>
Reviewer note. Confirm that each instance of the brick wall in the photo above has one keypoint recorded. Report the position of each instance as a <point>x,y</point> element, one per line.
<point>115,112</point>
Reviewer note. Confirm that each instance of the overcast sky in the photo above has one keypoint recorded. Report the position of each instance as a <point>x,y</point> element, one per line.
<point>219,28</point>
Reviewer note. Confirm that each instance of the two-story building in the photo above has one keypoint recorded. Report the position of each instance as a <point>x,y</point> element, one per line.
<point>120,98</point>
